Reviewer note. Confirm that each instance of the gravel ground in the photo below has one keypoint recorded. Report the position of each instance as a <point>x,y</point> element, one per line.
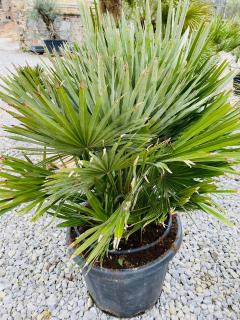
<point>37,281</point>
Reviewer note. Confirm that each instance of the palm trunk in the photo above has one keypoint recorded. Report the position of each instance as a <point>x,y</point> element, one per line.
<point>50,27</point>
<point>114,7</point>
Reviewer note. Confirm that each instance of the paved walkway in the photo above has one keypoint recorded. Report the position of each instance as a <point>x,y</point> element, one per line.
<point>10,54</point>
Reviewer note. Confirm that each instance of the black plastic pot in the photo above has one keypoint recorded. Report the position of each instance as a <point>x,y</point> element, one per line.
<point>236,84</point>
<point>129,292</point>
<point>55,45</point>
<point>37,49</point>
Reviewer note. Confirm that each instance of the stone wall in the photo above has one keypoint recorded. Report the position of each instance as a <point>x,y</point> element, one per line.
<point>68,22</point>
<point>68,27</point>
<point>10,10</point>
<point>5,11</point>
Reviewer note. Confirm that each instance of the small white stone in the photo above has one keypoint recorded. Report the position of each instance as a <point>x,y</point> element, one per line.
<point>3,284</point>
<point>2,272</point>
<point>172,308</point>
<point>52,301</point>
<point>89,315</point>
<point>2,295</point>
<point>156,314</point>
<point>180,315</point>
<point>185,310</point>
<point>89,302</point>
<point>199,289</point>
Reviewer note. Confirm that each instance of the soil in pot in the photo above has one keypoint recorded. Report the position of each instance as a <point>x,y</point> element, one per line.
<point>151,233</point>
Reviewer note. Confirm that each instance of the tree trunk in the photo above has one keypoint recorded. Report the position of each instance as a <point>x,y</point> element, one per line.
<point>50,27</point>
<point>114,7</point>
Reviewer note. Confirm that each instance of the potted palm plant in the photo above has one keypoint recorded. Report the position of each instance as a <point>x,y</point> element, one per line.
<point>46,10</point>
<point>127,132</point>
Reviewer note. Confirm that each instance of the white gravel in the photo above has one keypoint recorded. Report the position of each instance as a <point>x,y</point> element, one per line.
<point>37,280</point>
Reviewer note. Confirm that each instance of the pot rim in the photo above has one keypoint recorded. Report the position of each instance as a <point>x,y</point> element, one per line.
<point>147,246</point>
<point>142,248</point>
<point>163,259</point>
<point>55,40</point>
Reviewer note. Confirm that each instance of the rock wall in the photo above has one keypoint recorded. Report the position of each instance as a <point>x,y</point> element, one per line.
<point>5,11</point>
<point>68,27</point>
<point>10,9</point>
<point>68,23</point>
